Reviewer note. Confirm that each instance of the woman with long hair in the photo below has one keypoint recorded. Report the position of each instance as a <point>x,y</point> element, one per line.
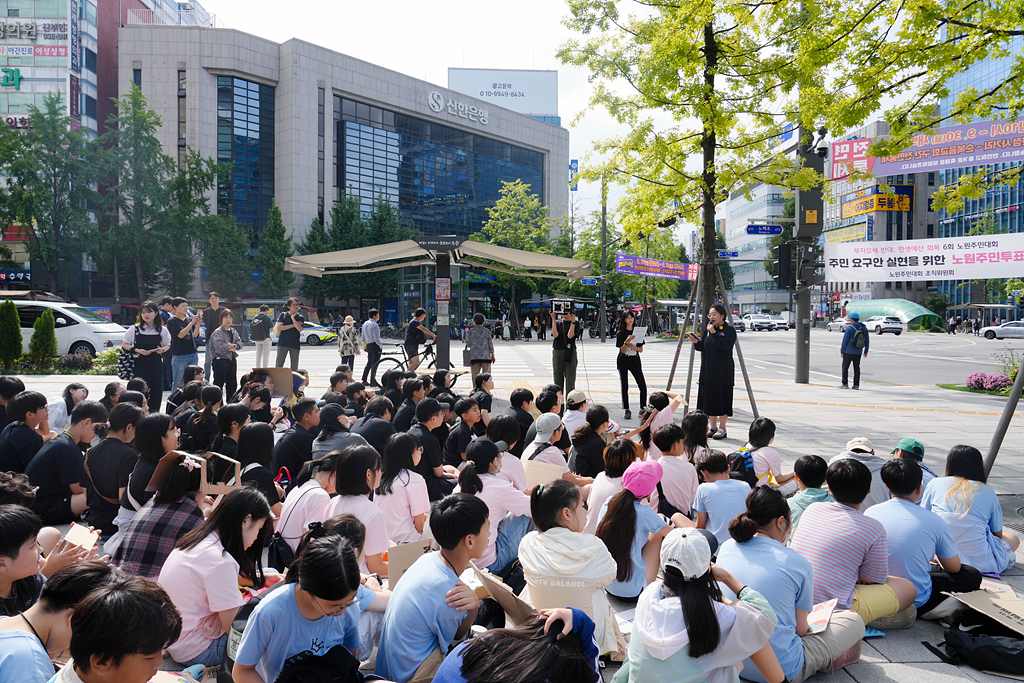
<point>192,373</point>
<point>714,395</point>
<point>225,343</point>
<point>356,476</point>
<point>60,409</point>
<point>589,444</point>
<point>155,437</point>
<point>150,340</point>
<point>633,531</point>
<point>230,420</point>
<point>391,386</point>
<point>199,433</point>
<point>255,456</point>
<point>686,632</point>
<point>178,507</point>
<point>758,557</point>
<point>402,495</point>
<point>479,478</point>
<point>973,512</point>
<point>554,645</point>
<point>564,566</point>
<point>628,362</point>
<point>202,573</point>
<point>618,456</point>
<point>107,467</point>
<point>695,435</point>
<point>308,499</point>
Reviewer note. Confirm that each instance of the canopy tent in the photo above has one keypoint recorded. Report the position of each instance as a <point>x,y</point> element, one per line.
<point>906,311</point>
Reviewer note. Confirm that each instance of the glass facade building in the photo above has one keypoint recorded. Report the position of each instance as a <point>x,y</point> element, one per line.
<point>442,179</point>
<point>245,137</point>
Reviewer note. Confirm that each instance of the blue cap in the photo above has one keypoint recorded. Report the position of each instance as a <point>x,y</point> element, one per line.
<point>855,316</point>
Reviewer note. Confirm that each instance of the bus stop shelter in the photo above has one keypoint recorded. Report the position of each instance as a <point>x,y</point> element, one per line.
<point>440,251</point>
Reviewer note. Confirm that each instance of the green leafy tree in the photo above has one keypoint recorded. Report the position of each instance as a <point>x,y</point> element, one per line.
<point>188,214</point>
<point>937,304</point>
<point>225,248</point>
<point>275,247</point>
<point>684,287</point>
<point>348,230</point>
<point>385,227</point>
<point>42,347</point>
<point>52,179</point>
<point>10,334</point>
<point>315,242</point>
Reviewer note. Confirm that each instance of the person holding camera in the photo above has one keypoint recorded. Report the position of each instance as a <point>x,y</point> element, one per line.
<point>714,395</point>
<point>564,334</point>
<point>628,361</point>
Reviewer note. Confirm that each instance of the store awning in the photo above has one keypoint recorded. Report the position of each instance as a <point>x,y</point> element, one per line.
<point>980,307</point>
<point>906,311</point>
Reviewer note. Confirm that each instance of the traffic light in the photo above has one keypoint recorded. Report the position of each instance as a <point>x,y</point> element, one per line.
<point>784,266</point>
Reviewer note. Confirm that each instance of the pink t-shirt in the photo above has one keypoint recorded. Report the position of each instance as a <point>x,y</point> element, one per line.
<point>603,488</point>
<point>766,459</point>
<point>663,417</point>
<point>303,506</point>
<point>549,455</point>
<point>679,481</point>
<point>501,497</point>
<point>369,514</point>
<point>512,471</point>
<point>408,498</point>
<point>201,582</point>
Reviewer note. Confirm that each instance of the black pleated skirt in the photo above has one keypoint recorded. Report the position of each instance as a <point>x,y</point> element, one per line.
<point>714,399</point>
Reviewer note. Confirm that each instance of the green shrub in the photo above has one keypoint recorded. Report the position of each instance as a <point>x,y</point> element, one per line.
<point>76,362</point>
<point>105,363</point>
<point>937,330</point>
<point>10,334</point>
<point>42,347</point>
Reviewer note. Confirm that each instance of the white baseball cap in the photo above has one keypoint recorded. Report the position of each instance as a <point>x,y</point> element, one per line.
<point>688,551</point>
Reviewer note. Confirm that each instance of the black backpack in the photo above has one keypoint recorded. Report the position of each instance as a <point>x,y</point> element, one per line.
<point>741,466</point>
<point>257,330</point>
<point>983,643</point>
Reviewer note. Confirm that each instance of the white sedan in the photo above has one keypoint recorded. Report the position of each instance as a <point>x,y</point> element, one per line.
<point>838,324</point>
<point>1011,330</point>
<point>880,324</point>
<point>312,334</point>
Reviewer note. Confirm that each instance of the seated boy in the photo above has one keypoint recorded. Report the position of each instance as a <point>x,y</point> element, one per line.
<point>916,535</point>
<point>679,479</point>
<point>809,473</point>
<point>522,405</point>
<point>439,477</point>
<point>455,445</point>
<point>21,558</point>
<point>119,632</point>
<point>10,386</point>
<point>26,639</point>
<point>28,430</point>
<point>719,498</point>
<point>914,450</point>
<point>848,550</point>
<point>430,608</point>
<point>766,459</point>
<point>57,467</point>
<point>545,449</point>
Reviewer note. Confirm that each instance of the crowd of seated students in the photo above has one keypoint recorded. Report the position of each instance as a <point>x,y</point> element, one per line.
<point>653,518</point>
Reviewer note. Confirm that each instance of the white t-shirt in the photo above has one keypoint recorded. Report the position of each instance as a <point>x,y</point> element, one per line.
<point>664,417</point>
<point>679,481</point>
<point>549,455</point>
<point>512,471</point>
<point>573,420</point>
<point>501,498</point>
<point>370,515</point>
<point>407,500</point>
<point>201,582</point>
<point>303,506</point>
<point>603,488</point>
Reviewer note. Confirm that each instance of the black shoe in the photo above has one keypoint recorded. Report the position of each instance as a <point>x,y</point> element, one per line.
<point>844,386</point>
<point>855,386</point>
<point>627,415</point>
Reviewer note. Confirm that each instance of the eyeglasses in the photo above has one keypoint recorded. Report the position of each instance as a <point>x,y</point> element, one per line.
<point>337,611</point>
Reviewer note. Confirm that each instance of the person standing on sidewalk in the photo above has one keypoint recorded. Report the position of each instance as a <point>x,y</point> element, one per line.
<point>183,329</point>
<point>211,319</point>
<point>481,346</point>
<point>348,342</point>
<point>288,328</point>
<point>628,361</point>
<point>371,337</point>
<point>855,342</point>
<point>259,332</point>
<point>564,333</point>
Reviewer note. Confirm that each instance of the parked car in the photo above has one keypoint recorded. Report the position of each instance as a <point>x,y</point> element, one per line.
<point>78,329</point>
<point>758,321</point>
<point>739,324</point>
<point>880,324</point>
<point>312,334</point>
<point>780,322</point>
<point>837,324</point>
<point>1011,330</point>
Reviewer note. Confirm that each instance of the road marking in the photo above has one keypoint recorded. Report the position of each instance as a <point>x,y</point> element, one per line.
<point>854,405</point>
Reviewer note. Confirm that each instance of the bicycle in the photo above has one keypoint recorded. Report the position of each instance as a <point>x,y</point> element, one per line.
<point>389,361</point>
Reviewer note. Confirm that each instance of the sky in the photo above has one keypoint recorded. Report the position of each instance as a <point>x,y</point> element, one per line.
<point>423,39</point>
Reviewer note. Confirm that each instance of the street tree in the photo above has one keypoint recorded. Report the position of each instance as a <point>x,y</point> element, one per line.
<point>275,247</point>
<point>385,227</point>
<point>225,249</point>
<point>348,230</point>
<point>315,241</point>
<point>10,334</point>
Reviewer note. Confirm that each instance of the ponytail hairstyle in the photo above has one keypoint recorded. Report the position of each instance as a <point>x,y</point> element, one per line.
<point>184,479</point>
<point>596,417</point>
<point>645,434</point>
<point>15,489</point>
<point>226,519</point>
<point>618,529</point>
<point>548,500</point>
<point>91,410</point>
<point>227,416</point>
<point>965,465</point>
<point>149,436</point>
<point>68,400</point>
<point>764,506</point>
<point>618,455</point>
<point>344,525</point>
<point>311,468</point>
<point>695,433</point>
<point>122,416</point>
<point>398,452</point>
<point>256,445</point>
<point>327,569</point>
<point>697,597</point>
<point>189,394</point>
<point>210,396</point>
<point>478,461</point>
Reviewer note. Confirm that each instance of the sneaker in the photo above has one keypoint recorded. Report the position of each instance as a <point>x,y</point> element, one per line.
<point>897,622</point>
<point>627,415</point>
<point>856,386</point>
<point>844,386</point>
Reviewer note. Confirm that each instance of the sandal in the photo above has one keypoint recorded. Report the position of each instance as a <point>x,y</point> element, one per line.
<point>719,435</point>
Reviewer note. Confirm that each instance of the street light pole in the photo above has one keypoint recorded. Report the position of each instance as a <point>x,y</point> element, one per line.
<point>604,262</point>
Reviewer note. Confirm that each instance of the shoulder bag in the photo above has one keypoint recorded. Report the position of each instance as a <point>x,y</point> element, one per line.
<point>126,360</point>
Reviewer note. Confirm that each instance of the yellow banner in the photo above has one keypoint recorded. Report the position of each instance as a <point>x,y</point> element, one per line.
<point>850,233</point>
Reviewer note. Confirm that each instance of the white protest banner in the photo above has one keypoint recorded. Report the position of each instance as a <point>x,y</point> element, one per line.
<point>956,258</point>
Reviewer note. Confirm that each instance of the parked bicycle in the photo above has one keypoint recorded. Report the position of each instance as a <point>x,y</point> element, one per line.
<point>398,359</point>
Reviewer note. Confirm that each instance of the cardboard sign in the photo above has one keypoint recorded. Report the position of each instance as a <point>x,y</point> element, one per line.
<point>282,378</point>
<point>817,620</point>
<point>516,609</point>
<point>1008,611</point>
<point>540,473</point>
<point>401,557</point>
<point>215,488</point>
<point>81,536</point>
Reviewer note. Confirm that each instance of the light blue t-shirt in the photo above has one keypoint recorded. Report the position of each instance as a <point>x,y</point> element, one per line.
<point>647,522</point>
<point>784,577</point>
<point>23,658</point>
<point>915,536</point>
<point>417,619</point>
<point>721,501</point>
<point>984,505</point>
<point>276,631</point>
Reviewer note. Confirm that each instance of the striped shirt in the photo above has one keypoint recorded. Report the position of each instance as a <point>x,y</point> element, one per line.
<point>844,547</point>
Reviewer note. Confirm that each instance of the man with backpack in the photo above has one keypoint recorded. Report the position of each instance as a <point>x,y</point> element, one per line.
<point>259,332</point>
<point>855,343</point>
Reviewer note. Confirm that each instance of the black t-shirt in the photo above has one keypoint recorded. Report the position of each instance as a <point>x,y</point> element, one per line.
<point>404,415</point>
<point>18,445</point>
<point>293,450</point>
<point>395,396</point>
<point>211,318</point>
<point>57,465</point>
<point>561,341</point>
<point>413,334</point>
<point>375,430</point>
<point>264,481</point>
<point>111,462</point>
<point>524,419</point>
<point>437,488</point>
<point>181,346</point>
<point>456,444</point>
<point>289,338</point>
<point>24,593</point>
<point>4,420</point>
<point>197,436</point>
<point>262,415</point>
<point>137,484</point>
<point>589,460</point>
<point>174,401</point>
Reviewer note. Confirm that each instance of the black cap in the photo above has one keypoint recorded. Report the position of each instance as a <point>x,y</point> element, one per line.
<point>330,413</point>
<point>482,448</point>
<point>428,408</point>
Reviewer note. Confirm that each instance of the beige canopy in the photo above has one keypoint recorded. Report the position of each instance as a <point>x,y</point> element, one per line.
<point>348,261</point>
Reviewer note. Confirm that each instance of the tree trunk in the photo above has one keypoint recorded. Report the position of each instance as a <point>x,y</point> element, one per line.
<point>52,274</point>
<point>139,281</point>
<point>709,176</point>
<point>515,311</point>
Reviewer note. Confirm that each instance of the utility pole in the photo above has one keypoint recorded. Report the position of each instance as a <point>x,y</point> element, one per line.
<point>603,315</point>
<point>807,229</point>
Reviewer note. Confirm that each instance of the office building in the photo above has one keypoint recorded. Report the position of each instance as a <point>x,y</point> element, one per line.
<point>753,290</point>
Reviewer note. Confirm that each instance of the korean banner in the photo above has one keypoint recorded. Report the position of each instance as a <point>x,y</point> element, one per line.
<point>638,265</point>
<point>957,258</point>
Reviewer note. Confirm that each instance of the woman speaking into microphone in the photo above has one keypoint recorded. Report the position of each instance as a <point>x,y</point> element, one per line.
<point>714,395</point>
<point>628,361</point>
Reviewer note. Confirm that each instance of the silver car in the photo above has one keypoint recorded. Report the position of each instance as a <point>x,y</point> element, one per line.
<point>1011,330</point>
<point>780,322</point>
<point>880,324</point>
<point>838,324</point>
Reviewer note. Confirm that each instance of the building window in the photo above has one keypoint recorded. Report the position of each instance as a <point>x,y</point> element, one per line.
<point>888,285</point>
<point>930,204</point>
<point>182,120</point>
<point>910,230</point>
<point>245,137</point>
<point>931,231</point>
<point>89,57</point>
<point>90,107</point>
<point>137,77</point>
<point>931,180</point>
<point>321,126</point>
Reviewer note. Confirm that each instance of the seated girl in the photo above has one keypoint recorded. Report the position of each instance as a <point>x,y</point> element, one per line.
<point>255,456</point>
<point>356,474</point>
<point>506,428</point>
<point>619,455</point>
<point>402,495</point>
<point>308,500</point>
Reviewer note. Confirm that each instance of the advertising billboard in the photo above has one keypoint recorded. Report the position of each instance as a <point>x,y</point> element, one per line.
<point>858,232</point>
<point>868,199</point>
<point>957,258</point>
<point>974,144</point>
<point>638,265</point>
<point>534,93</point>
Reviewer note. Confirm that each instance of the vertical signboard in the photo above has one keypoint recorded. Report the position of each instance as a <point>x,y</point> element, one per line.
<point>574,169</point>
<point>76,66</point>
<point>74,97</point>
